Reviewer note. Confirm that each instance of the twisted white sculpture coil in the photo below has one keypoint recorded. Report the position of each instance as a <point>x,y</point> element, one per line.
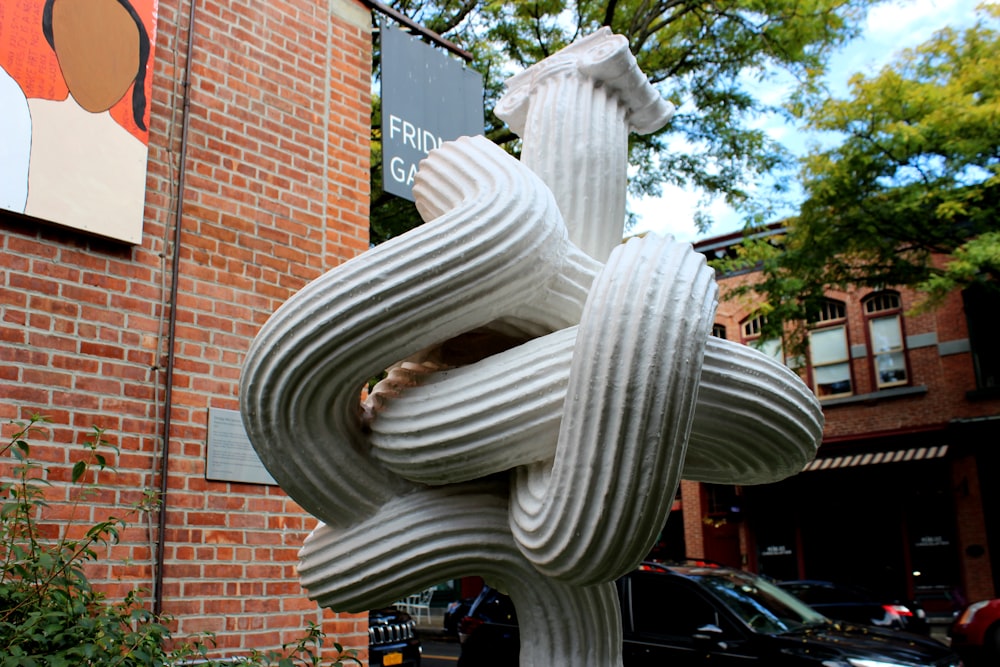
<point>609,391</point>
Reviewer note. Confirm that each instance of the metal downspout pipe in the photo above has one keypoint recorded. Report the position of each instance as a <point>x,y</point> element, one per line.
<point>172,325</point>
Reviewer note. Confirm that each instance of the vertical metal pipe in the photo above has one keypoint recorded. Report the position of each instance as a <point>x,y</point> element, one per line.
<point>172,325</point>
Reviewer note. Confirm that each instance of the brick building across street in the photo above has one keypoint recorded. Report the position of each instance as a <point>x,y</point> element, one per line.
<point>902,495</point>
<point>271,143</point>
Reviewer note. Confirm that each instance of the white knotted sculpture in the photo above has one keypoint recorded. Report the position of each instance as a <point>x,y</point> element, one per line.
<point>594,386</point>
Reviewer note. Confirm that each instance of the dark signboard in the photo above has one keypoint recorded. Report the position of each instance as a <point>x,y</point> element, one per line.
<point>427,98</point>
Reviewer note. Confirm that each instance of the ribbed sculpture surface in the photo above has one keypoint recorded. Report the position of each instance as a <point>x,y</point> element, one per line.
<point>547,388</point>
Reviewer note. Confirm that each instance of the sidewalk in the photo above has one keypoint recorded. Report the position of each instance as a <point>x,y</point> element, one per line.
<point>434,626</point>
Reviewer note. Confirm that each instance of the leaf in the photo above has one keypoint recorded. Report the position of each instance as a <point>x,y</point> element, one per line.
<point>79,468</point>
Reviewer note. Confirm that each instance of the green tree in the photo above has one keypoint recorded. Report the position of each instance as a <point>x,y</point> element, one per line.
<point>908,195</point>
<point>700,54</point>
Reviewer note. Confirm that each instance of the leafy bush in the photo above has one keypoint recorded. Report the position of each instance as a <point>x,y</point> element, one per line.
<point>51,615</point>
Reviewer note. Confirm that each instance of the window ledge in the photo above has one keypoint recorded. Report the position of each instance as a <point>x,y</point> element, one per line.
<point>983,394</point>
<point>874,397</point>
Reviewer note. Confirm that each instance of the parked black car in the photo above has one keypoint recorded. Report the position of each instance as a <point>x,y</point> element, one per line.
<point>490,608</point>
<point>858,605</point>
<point>684,616</point>
<point>392,639</point>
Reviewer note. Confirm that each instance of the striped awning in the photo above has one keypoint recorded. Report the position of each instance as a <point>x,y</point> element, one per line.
<point>871,458</point>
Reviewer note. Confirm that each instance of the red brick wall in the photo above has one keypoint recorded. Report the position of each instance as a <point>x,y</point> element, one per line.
<point>947,378</point>
<point>276,193</point>
<point>978,577</point>
<point>693,511</point>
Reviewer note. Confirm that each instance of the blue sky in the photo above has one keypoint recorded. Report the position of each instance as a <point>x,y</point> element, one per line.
<point>890,28</point>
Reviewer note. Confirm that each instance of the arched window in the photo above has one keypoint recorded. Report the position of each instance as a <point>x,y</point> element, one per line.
<point>719,331</point>
<point>752,328</point>
<point>885,338</point>
<point>829,352</point>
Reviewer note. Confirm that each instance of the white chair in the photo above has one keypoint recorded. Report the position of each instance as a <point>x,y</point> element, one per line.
<point>418,605</point>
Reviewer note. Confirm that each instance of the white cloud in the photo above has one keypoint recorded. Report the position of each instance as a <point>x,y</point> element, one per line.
<point>673,213</point>
<point>893,27</point>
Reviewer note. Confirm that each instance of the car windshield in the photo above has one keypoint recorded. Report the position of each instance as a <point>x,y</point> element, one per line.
<point>760,604</point>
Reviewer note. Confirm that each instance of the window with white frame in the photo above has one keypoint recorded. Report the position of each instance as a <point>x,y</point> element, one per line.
<point>752,328</point>
<point>885,335</point>
<point>829,352</point>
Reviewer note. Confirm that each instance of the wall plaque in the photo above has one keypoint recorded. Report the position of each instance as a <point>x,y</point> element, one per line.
<point>231,457</point>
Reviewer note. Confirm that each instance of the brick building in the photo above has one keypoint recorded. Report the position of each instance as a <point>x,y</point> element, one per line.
<point>257,181</point>
<point>900,497</point>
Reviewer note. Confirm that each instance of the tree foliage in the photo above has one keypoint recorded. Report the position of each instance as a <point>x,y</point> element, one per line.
<point>908,195</point>
<point>700,54</point>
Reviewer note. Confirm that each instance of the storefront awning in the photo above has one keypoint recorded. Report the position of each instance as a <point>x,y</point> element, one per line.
<point>871,458</point>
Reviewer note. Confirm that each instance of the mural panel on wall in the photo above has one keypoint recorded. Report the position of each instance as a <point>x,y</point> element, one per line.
<point>75,84</point>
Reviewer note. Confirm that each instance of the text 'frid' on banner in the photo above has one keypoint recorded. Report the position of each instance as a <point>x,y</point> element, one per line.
<point>427,98</point>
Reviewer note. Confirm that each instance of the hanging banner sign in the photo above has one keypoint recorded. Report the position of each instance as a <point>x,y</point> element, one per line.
<point>427,98</point>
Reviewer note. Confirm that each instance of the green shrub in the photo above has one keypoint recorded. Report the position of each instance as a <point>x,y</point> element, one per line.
<point>51,615</point>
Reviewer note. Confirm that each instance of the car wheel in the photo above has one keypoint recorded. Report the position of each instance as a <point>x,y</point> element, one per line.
<point>991,644</point>
<point>482,649</point>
